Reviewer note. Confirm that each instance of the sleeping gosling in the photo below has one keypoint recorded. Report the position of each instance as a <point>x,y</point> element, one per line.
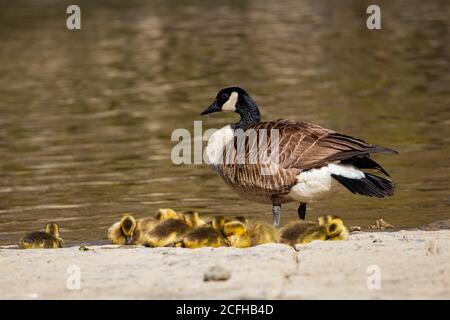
<point>301,232</point>
<point>146,224</point>
<point>335,228</point>
<point>237,234</point>
<point>208,235</point>
<point>171,231</point>
<point>262,233</point>
<point>38,240</point>
<point>328,228</point>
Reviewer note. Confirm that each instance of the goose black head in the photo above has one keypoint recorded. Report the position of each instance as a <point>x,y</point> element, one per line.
<point>237,100</point>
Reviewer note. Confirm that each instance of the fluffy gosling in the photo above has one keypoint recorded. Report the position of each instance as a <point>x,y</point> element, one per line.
<point>335,228</point>
<point>206,236</point>
<point>328,228</point>
<point>146,224</point>
<point>237,234</point>
<point>262,233</point>
<point>171,231</point>
<point>301,232</point>
<point>38,240</point>
<point>124,232</point>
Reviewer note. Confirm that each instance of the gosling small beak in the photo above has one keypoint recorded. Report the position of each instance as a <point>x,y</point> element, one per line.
<point>212,108</point>
<point>128,240</point>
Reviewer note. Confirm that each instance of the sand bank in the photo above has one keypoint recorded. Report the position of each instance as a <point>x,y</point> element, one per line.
<point>403,264</point>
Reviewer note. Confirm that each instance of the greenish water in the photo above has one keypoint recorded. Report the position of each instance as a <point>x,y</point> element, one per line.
<point>86,116</point>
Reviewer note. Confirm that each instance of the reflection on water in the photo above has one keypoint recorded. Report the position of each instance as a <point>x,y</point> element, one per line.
<point>86,116</point>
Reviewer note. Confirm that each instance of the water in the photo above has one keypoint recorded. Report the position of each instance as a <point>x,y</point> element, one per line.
<point>86,116</point>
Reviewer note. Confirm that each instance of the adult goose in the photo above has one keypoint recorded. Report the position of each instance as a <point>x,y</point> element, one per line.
<point>310,160</point>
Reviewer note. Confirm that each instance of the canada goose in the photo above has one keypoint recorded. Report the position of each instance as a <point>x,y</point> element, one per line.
<point>125,231</point>
<point>171,231</point>
<point>39,239</point>
<point>306,162</point>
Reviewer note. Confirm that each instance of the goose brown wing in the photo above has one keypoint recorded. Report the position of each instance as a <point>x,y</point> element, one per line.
<point>304,146</point>
<point>301,146</point>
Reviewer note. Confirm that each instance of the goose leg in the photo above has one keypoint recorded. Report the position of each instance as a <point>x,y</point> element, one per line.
<point>276,211</point>
<point>302,211</point>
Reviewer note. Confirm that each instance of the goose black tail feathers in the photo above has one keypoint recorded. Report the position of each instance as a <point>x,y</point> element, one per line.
<point>370,186</point>
<point>365,162</point>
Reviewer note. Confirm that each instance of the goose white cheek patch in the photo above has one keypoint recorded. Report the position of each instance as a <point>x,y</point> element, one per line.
<point>230,105</point>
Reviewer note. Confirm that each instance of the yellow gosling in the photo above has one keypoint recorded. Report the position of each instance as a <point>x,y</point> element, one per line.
<point>217,223</point>
<point>313,233</point>
<point>124,232</point>
<point>167,213</point>
<point>262,233</point>
<point>166,233</point>
<point>146,224</point>
<point>38,240</point>
<point>192,219</point>
<point>290,233</point>
<point>335,228</point>
<point>237,234</point>
<point>204,236</point>
<point>171,231</point>
<point>328,228</point>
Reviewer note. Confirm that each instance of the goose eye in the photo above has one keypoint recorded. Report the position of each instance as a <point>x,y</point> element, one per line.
<point>224,95</point>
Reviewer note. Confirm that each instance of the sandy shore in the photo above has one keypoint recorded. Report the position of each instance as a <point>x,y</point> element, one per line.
<point>381,265</point>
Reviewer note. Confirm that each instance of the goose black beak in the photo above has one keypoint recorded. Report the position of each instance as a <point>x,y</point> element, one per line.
<point>212,108</point>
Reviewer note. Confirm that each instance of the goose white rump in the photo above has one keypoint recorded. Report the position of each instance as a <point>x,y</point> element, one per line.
<point>318,183</point>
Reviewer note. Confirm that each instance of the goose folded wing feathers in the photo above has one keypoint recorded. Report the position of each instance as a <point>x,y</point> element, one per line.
<point>304,146</point>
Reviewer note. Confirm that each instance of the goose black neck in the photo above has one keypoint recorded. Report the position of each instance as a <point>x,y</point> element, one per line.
<point>249,112</point>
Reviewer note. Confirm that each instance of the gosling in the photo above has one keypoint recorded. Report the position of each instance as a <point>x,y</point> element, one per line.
<point>262,233</point>
<point>336,230</point>
<point>124,232</point>
<point>171,231</point>
<point>206,235</point>
<point>146,224</point>
<point>237,234</point>
<point>39,240</point>
<point>328,228</point>
<point>242,235</point>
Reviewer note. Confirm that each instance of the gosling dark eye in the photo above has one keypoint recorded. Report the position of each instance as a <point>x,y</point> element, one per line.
<point>224,96</point>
